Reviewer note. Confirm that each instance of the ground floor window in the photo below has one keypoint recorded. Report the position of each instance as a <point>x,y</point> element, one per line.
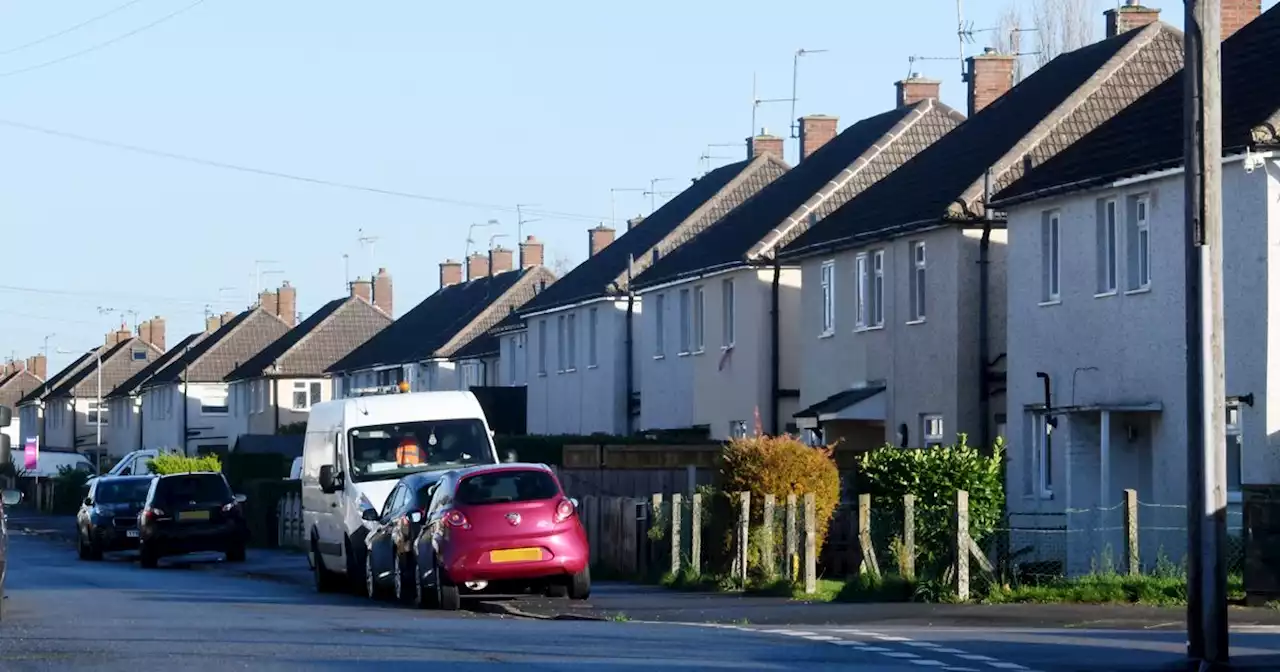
<point>931,430</point>
<point>1235,444</point>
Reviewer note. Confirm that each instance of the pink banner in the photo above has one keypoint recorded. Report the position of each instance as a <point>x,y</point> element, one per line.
<point>31,454</point>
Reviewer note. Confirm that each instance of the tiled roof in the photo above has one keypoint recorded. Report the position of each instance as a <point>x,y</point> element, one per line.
<point>216,355</point>
<point>448,319</point>
<point>1148,135</point>
<point>329,334</point>
<point>1045,113</point>
<point>858,157</point>
<point>118,365</point>
<point>57,378</point>
<point>16,385</point>
<point>710,198</point>
<point>132,384</point>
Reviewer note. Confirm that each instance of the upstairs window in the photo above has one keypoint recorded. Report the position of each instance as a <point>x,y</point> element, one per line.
<point>828,298</point>
<point>1050,258</point>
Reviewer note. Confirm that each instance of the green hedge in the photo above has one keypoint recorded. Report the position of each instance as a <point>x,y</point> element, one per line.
<point>178,464</point>
<point>262,496</point>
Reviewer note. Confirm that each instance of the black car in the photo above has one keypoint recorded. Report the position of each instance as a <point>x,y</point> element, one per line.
<point>191,513</point>
<point>108,517</point>
<point>389,564</point>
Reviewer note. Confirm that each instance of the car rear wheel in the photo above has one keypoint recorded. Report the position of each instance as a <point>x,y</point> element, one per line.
<point>370,581</point>
<point>403,578</point>
<point>580,585</point>
<point>424,596</point>
<point>236,553</point>
<point>147,558</point>
<point>447,596</point>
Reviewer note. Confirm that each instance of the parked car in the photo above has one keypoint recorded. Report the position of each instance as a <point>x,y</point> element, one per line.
<point>136,463</point>
<point>191,513</point>
<point>8,498</point>
<point>509,525</point>
<point>108,516</point>
<point>355,452</point>
<point>388,565</point>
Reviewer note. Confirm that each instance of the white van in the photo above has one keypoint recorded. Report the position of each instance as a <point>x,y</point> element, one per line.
<point>50,461</point>
<point>134,464</point>
<point>357,449</point>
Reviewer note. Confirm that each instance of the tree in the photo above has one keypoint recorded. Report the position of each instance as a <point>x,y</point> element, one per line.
<point>1007,38</point>
<point>1061,26</point>
<point>561,265</point>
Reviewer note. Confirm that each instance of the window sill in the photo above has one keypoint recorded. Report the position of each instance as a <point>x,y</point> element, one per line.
<point>657,357</point>
<point>699,351</point>
<point>542,374</point>
<point>1051,302</point>
<point>874,327</point>
<point>1103,295</point>
<point>592,366</point>
<point>827,334</point>
<point>916,321</point>
<point>572,369</point>
<point>683,354</point>
<point>726,348</point>
<point>1140,290</point>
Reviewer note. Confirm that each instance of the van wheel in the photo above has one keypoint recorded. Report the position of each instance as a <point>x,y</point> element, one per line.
<point>355,568</point>
<point>325,580</point>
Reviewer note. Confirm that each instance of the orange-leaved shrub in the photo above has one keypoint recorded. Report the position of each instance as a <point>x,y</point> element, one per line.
<point>781,466</point>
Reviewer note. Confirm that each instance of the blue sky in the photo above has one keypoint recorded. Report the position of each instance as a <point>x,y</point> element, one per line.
<point>550,103</point>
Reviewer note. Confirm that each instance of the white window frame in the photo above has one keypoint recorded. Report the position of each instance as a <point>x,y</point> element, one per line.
<point>214,409</point>
<point>560,344</point>
<point>737,429</point>
<point>699,319</point>
<point>828,275</point>
<point>1235,431</point>
<point>97,413</point>
<point>300,386</point>
<point>1042,455</point>
<point>729,312</point>
<point>593,331</point>
<point>659,326</point>
<point>1051,258</point>
<point>869,281</point>
<point>860,264</point>
<point>686,326</point>
<point>932,430</point>
<point>571,334</point>
<point>877,289</point>
<point>1109,248</point>
<point>542,347</point>
<point>918,282</point>
<point>1142,243</point>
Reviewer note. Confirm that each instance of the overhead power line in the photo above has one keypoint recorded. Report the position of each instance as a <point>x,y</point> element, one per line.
<point>550,214</point>
<point>64,31</point>
<point>101,295</point>
<point>103,45</point>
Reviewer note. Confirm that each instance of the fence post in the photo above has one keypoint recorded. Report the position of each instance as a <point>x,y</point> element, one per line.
<point>810,544</point>
<point>961,545</point>
<point>766,530</point>
<point>744,534</point>
<point>1132,559</point>
<point>676,503</point>
<point>908,559</point>
<point>792,570</point>
<point>695,534</point>
<point>652,548</point>
<point>866,551</point>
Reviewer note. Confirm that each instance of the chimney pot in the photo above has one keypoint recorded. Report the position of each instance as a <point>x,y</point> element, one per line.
<point>1132,16</point>
<point>764,144</point>
<point>450,273</point>
<point>816,130</point>
<point>477,266</point>
<point>500,260</point>
<point>915,89</point>
<point>1236,14</point>
<point>598,238</point>
<point>989,76</point>
<point>362,288</point>
<point>531,253</point>
<point>382,296</point>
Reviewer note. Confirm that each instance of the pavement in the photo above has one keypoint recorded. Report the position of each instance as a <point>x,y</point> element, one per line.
<point>201,613</point>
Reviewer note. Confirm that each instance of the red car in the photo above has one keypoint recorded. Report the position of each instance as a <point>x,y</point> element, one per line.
<point>500,526</point>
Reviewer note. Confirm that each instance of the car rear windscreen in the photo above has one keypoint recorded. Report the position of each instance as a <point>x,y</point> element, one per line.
<point>507,486</point>
<point>122,492</point>
<point>199,488</point>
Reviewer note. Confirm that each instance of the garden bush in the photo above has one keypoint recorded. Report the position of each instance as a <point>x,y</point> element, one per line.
<point>934,475</point>
<point>70,487</point>
<point>179,464</point>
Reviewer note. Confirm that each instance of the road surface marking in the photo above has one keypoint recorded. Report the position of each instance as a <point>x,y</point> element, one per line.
<point>974,656</point>
<point>821,638</point>
<point>1006,666</point>
<point>927,645</point>
<point>899,654</point>
<point>953,652</point>
<point>961,669</point>
<point>889,638</point>
<point>929,662</point>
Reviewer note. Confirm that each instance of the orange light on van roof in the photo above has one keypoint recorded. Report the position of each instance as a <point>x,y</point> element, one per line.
<point>404,386</point>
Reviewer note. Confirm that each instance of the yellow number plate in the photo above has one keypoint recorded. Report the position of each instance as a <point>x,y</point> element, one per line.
<point>193,515</point>
<point>516,555</point>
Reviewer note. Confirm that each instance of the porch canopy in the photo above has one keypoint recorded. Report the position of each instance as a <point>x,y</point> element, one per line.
<point>864,403</point>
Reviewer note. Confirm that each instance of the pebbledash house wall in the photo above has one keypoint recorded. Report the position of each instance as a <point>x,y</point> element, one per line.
<point>1129,347</point>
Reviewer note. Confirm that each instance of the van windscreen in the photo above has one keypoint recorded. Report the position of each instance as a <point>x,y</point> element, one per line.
<point>392,451</point>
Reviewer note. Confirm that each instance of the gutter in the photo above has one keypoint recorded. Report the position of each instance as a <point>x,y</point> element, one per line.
<point>699,274</point>
<point>864,238</point>
<point>984,317</point>
<point>275,397</point>
<point>630,345</point>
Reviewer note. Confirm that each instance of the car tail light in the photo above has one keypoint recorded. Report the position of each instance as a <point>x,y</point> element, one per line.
<point>564,510</point>
<point>458,519</point>
<point>152,514</point>
<point>230,506</point>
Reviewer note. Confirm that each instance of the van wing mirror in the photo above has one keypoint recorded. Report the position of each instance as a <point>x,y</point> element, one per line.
<point>329,481</point>
<point>12,497</point>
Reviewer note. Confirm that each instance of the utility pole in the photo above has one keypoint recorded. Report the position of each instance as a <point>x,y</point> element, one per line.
<point>97,400</point>
<point>1207,632</point>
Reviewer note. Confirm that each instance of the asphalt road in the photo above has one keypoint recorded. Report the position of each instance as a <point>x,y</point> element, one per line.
<point>65,614</point>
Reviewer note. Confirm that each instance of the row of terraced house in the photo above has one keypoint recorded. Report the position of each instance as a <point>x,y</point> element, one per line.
<point>1011,271</point>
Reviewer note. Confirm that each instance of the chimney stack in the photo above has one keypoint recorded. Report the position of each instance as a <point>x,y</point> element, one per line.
<point>270,301</point>
<point>152,331</point>
<point>1132,16</point>
<point>530,253</point>
<point>226,318</point>
<point>500,260</point>
<point>450,273</point>
<point>764,144</point>
<point>362,288</point>
<point>382,291</point>
<point>598,238</point>
<point>990,75</point>
<point>38,365</point>
<point>816,130</point>
<point>10,367</point>
<point>916,88</point>
<point>477,266</point>
<point>634,222</point>
<point>211,323</point>
<point>287,296</point>
<point>1236,14</point>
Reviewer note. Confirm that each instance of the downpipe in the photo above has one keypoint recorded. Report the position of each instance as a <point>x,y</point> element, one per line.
<point>775,355</point>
